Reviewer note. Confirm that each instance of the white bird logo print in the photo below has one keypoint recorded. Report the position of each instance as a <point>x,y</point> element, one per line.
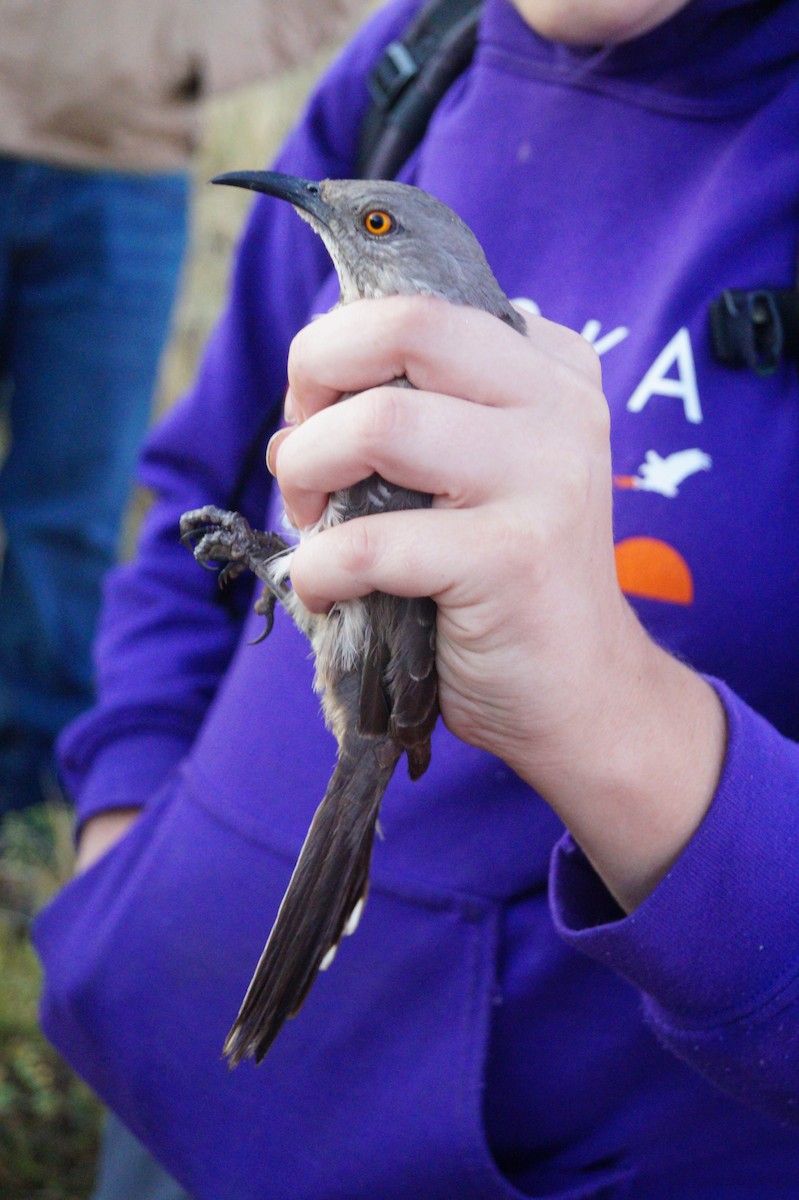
<point>664,475</point>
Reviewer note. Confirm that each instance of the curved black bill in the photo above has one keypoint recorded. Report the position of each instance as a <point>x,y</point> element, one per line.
<point>302,193</point>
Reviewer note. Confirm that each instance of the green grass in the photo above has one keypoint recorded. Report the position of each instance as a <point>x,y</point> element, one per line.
<point>49,1121</point>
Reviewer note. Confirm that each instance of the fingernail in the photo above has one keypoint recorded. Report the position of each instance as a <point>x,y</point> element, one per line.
<point>271,450</point>
<point>289,409</point>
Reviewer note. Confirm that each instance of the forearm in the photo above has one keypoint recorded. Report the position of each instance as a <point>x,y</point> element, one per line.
<point>639,770</point>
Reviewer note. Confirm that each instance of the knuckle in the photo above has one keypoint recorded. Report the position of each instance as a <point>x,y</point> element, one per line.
<point>359,547</point>
<point>381,417</point>
<point>591,409</point>
<point>598,415</point>
<point>575,480</point>
<point>521,543</point>
<point>588,361</point>
<point>582,357</point>
<point>406,316</point>
<point>413,322</point>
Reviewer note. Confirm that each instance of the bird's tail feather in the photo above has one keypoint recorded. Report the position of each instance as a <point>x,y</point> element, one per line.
<point>328,885</point>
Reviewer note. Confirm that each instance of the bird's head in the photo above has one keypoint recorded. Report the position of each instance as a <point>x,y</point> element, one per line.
<point>388,238</point>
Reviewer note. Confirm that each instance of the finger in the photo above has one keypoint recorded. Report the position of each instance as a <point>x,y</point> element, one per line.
<point>273,445</point>
<point>429,443</point>
<point>439,347</point>
<point>409,553</point>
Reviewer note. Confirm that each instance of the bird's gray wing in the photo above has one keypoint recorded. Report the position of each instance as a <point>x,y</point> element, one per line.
<point>399,688</point>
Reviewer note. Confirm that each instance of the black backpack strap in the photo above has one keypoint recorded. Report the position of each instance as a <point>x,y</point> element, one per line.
<point>756,329</point>
<point>409,79</point>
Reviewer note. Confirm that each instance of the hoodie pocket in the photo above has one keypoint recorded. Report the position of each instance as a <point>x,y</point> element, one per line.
<point>374,1089</point>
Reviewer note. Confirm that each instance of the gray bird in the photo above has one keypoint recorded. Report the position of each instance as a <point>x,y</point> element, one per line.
<point>374,657</point>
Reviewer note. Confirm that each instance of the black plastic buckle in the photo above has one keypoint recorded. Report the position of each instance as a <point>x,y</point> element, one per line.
<point>396,68</point>
<point>746,329</point>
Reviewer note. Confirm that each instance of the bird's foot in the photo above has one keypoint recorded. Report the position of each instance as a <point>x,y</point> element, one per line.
<point>216,536</point>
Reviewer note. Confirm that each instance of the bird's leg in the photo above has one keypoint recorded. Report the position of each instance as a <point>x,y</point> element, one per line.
<point>227,537</point>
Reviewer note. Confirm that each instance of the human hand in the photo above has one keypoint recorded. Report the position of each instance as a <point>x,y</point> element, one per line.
<point>100,833</point>
<point>510,435</point>
<point>540,659</point>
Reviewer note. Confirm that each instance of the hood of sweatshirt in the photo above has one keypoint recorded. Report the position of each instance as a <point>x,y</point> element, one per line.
<point>714,57</point>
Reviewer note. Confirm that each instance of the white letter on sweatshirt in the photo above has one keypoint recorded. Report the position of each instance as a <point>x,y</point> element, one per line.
<point>656,382</point>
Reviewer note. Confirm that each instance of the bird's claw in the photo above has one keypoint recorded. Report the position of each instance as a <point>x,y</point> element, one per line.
<point>228,538</point>
<point>265,607</point>
<point>225,537</point>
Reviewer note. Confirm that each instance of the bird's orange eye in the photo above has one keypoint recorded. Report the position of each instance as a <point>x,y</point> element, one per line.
<point>378,222</point>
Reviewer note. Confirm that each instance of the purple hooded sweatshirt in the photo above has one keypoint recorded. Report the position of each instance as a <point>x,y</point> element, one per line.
<point>497,1027</point>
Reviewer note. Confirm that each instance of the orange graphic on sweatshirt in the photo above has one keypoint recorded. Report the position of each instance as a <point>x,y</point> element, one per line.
<point>653,570</point>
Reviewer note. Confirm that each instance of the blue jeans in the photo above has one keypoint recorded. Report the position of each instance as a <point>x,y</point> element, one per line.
<point>128,1172</point>
<point>89,265</point>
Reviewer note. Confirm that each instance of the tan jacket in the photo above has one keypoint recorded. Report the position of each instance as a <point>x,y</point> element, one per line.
<point>117,83</point>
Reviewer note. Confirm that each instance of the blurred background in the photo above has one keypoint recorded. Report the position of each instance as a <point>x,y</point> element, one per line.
<point>49,1122</point>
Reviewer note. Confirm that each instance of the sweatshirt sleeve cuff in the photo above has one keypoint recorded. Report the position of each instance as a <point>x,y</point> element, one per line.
<point>126,773</point>
<point>719,935</point>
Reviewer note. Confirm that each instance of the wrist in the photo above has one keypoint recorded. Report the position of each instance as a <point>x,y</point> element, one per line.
<point>635,771</point>
<point>100,833</point>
